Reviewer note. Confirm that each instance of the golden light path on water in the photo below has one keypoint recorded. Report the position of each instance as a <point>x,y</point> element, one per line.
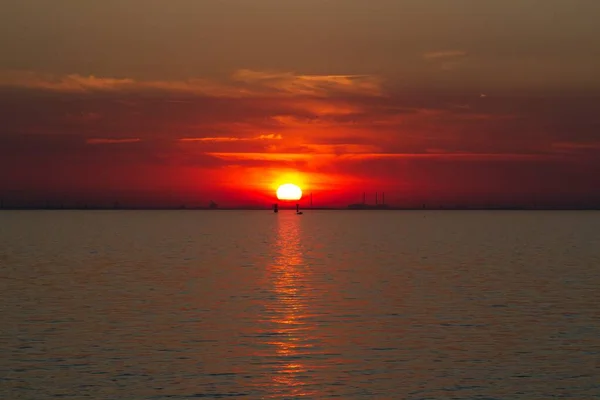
<point>292,341</point>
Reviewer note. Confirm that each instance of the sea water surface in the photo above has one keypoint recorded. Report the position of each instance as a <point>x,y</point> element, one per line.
<point>257,305</point>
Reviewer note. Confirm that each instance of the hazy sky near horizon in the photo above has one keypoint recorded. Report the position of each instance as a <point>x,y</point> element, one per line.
<point>425,98</point>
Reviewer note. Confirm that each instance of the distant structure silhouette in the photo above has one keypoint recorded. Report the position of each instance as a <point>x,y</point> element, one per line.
<point>275,207</point>
<point>365,206</point>
<point>213,205</point>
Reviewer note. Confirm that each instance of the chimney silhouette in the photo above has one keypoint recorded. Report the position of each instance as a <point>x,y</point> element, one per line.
<point>375,198</point>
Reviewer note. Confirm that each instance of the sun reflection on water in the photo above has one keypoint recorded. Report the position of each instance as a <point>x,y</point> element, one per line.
<point>292,341</point>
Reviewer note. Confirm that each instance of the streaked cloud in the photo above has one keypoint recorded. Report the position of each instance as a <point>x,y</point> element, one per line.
<point>446,60</point>
<point>342,148</point>
<point>311,85</point>
<point>243,83</point>
<point>444,54</point>
<point>320,107</point>
<point>112,141</point>
<point>582,150</point>
<point>260,156</point>
<point>270,136</point>
<point>75,83</point>
<point>292,157</point>
<point>66,83</point>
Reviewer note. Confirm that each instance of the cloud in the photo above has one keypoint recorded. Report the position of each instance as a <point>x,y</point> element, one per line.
<point>270,136</point>
<point>289,129</point>
<point>340,148</point>
<point>75,83</point>
<point>112,141</point>
<point>311,85</point>
<point>574,146</point>
<point>446,59</point>
<point>243,83</point>
<point>68,83</point>
<point>312,157</point>
<point>326,107</point>
<point>261,156</point>
<point>444,54</point>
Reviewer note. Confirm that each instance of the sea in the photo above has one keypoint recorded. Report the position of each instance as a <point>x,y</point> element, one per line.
<point>329,304</point>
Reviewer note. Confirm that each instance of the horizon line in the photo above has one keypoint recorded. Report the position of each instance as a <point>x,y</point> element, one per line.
<point>257,208</point>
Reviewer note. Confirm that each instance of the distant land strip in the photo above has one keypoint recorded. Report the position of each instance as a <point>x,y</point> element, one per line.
<point>289,208</point>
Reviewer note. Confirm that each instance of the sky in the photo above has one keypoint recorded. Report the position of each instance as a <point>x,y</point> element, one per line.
<point>155,102</point>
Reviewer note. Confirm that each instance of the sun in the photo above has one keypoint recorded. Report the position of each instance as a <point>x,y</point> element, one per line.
<point>289,191</point>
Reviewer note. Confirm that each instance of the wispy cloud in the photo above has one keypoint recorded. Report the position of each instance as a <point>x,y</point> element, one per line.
<point>341,148</point>
<point>112,141</point>
<point>270,136</point>
<point>260,156</point>
<point>243,83</point>
<point>444,54</point>
<point>574,146</point>
<point>67,83</point>
<point>313,85</point>
<point>292,157</point>
<point>446,59</point>
<point>78,83</point>
<point>325,107</point>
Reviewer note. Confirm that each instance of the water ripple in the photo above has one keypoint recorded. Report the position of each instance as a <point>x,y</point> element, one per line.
<point>181,305</point>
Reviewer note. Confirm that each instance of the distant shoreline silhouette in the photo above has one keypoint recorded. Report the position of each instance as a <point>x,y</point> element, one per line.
<point>293,208</point>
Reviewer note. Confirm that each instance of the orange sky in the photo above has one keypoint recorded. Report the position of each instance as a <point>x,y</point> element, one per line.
<point>427,103</point>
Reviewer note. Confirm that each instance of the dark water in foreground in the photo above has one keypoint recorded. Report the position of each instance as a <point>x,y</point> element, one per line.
<point>383,305</point>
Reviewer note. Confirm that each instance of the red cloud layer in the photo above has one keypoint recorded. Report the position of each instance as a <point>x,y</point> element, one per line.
<point>337,134</point>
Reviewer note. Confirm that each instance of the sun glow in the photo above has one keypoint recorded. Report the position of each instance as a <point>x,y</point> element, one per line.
<point>289,191</point>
